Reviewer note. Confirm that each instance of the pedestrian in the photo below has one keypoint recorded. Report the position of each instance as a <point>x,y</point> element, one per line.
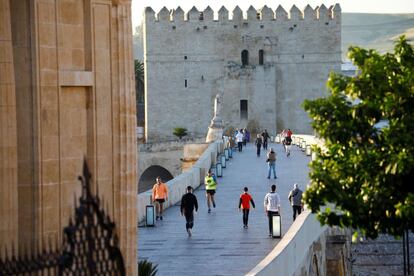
<point>159,196</point>
<point>272,206</point>
<point>244,137</point>
<point>244,205</point>
<point>258,143</point>
<point>211,184</point>
<point>239,140</point>
<point>189,206</point>
<point>247,133</point>
<point>265,137</point>
<point>295,199</point>
<point>288,145</point>
<point>271,163</point>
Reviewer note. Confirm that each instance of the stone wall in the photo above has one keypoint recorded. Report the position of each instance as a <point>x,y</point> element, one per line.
<point>308,249</point>
<point>67,93</point>
<point>197,58</point>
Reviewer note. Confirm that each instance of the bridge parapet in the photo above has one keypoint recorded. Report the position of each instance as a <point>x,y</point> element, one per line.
<point>192,177</point>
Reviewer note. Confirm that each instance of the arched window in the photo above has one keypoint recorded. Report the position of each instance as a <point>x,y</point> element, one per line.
<point>261,57</point>
<point>245,57</point>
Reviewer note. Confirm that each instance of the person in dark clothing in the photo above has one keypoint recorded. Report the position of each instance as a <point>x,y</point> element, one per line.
<point>244,204</point>
<point>258,143</point>
<point>265,137</point>
<point>188,205</point>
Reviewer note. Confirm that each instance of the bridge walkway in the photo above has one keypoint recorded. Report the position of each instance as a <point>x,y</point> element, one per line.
<point>220,245</point>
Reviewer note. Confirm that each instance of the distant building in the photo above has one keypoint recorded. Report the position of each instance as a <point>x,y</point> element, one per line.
<point>264,65</point>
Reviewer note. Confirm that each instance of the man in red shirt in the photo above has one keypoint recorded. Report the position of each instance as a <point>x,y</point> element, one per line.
<point>244,204</point>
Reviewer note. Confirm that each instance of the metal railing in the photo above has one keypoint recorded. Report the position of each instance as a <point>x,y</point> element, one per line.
<point>90,244</point>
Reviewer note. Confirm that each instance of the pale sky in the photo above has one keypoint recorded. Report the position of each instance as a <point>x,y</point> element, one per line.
<point>361,6</point>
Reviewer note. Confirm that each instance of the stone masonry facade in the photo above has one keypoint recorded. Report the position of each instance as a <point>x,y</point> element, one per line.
<point>66,93</point>
<point>263,64</point>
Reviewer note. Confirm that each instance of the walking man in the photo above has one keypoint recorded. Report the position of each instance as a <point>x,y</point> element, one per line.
<point>211,184</point>
<point>159,196</point>
<point>244,205</point>
<point>189,205</point>
<point>271,162</point>
<point>295,199</point>
<point>265,136</point>
<point>272,206</point>
<point>239,140</point>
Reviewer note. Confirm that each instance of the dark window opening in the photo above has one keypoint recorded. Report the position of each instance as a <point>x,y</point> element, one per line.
<point>185,83</point>
<point>243,110</point>
<point>185,57</point>
<point>201,16</point>
<point>245,57</point>
<point>258,15</point>
<point>261,57</point>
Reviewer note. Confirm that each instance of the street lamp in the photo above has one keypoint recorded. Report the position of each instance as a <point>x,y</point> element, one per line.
<point>226,153</point>
<point>223,160</point>
<point>308,150</point>
<point>219,170</point>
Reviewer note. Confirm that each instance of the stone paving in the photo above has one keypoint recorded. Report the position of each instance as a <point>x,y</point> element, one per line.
<point>220,245</point>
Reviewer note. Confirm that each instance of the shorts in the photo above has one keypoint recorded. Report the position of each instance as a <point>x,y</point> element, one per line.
<point>211,192</point>
<point>160,200</point>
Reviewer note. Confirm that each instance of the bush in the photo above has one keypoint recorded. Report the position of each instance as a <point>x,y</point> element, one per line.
<point>180,132</point>
<point>146,268</point>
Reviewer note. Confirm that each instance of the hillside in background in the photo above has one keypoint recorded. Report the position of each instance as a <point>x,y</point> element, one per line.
<point>377,31</point>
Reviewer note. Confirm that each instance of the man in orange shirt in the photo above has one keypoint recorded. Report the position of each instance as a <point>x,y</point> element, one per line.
<point>244,204</point>
<point>159,195</point>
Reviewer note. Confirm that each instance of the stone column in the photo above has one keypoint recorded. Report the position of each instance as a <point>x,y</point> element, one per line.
<point>124,97</point>
<point>8,139</point>
<point>336,255</point>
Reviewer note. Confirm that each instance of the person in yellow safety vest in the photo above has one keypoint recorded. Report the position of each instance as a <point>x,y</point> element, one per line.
<point>211,184</point>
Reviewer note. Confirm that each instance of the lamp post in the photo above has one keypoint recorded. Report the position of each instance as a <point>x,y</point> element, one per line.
<point>219,170</point>
<point>226,153</point>
<point>308,150</point>
<point>223,160</point>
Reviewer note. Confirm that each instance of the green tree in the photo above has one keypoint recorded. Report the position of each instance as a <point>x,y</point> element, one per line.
<point>365,174</point>
<point>180,132</point>
<point>139,70</point>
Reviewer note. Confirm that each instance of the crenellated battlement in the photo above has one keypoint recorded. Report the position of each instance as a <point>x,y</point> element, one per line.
<point>320,13</point>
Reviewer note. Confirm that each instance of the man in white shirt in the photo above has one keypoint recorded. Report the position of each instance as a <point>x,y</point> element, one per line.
<point>239,139</point>
<point>272,206</point>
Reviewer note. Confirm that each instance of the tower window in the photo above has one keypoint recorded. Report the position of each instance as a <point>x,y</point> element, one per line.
<point>261,57</point>
<point>185,83</point>
<point>243,110</point>
<point>245,57</point>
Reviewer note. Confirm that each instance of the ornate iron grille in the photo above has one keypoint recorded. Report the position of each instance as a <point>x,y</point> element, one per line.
<point>90,245</point>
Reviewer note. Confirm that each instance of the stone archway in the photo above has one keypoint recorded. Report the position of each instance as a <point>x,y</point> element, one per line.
<point>147,179</point>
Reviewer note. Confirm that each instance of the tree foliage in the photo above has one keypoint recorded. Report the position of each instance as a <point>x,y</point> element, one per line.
<point>146,268</point>
<point>139,70</point>
<point>366,172</point>
<point>180,132</point>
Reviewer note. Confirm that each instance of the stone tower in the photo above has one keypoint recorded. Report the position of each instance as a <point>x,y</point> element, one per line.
<point>264,64</point>
<point>66,92</point>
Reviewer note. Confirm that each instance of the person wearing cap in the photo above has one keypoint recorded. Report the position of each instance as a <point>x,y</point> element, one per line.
<point>189,205</point>
<point>159,195</point>
<point>244,205</point>
<point>295,199</point>
<point>272,206</point>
